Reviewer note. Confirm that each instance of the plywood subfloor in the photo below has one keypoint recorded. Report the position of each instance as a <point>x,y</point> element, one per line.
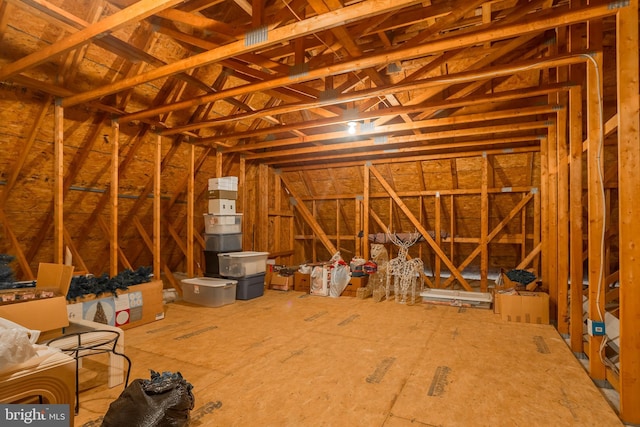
<point>290,359</point>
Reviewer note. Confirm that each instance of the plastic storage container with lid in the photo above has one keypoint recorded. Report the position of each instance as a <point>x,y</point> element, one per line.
<point>240,264</point>
<point>209,291</point>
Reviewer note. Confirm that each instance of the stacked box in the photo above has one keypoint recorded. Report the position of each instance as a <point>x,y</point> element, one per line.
<point>222,225</point>
<point>229,183</point>
<point>222,206</point>
<point>223,194</point>
<point>241,264</point>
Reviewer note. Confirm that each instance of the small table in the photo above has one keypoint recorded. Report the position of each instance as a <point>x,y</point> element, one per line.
<point>84,338</point>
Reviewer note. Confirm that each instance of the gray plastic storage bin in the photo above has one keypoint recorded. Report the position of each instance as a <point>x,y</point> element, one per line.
<point>223,242</point>
<point>250,287</point>
<point>209,291</point>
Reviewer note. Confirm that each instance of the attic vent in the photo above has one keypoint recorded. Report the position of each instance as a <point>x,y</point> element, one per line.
<point>367,127</point>
<point>617,4</point>
<point>393,68</point>
<point>298,70</point>
<point>380,139</point>
<point>255,36</point>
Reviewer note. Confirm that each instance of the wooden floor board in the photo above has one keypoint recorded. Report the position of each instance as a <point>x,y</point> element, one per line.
<point>289,359</point>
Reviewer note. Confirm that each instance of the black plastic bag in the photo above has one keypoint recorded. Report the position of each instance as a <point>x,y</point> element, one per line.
<point>164,401</point>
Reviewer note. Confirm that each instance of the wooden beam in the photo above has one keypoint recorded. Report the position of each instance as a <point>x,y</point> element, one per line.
<point>58,179</point>
<point>135,12</point>
<point>113,196</point>
<point>262,205</point>
<point>575,214</point>
<point>484,224</point>
<point>366,208</point>
<point>562,272</point>
<point>378,113</point>
<point>438,239</point>
<point>628,190</point>
<point>435,46</point>
<point>276,35</point>
<point>552,216</point>
<point>191,210</point>
<point>155,247</point>
<point>596,202</point>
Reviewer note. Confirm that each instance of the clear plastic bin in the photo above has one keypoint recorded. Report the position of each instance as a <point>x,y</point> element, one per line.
<point>240,264</point>
<point>209,291</point>
<point>222,224</point>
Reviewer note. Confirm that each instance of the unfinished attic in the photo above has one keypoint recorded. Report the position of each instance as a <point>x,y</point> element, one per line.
<point>494,136</point>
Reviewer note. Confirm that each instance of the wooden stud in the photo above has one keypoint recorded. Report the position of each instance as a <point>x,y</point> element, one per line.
<point>562,270</point>
<point>58,177</point>
<point>190,210</point>
<point>113,197</point>
<point>277,229</point>
<point>596,205</point>
<point>437,228</point>
<point>575,213</point>
<point>157,213</point>
<point>552,243</point>
<point>366,189</point>
<point>484,224</point>
<point>628,190</point>
<point>452,229</point>
<point>261,239</point>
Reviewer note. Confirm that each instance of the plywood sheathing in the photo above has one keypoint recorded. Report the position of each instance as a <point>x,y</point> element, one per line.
<point>289,358</point>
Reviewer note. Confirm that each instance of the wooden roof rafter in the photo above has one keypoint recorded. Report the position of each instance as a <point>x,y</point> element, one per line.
<point>484,35</point>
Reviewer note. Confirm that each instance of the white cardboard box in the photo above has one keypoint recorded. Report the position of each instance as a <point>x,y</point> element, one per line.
<point>222,206</point>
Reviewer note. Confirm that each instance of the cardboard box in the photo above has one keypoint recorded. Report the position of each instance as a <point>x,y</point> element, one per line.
<point>352,287</point>
<point>524,307</point>
<point>44,314</point>
<point>138,305</point>
<point>281,283</point>
<point>301,282</point>
<point>224,183</point>
<point>222,206</point>
<point>508,283</point>
<point>223,194</point>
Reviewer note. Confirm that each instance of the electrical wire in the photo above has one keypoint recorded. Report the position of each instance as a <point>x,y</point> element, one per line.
<point>605,339</point>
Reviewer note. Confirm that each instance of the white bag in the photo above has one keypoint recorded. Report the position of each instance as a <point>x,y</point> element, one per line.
<point>16,343</point>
